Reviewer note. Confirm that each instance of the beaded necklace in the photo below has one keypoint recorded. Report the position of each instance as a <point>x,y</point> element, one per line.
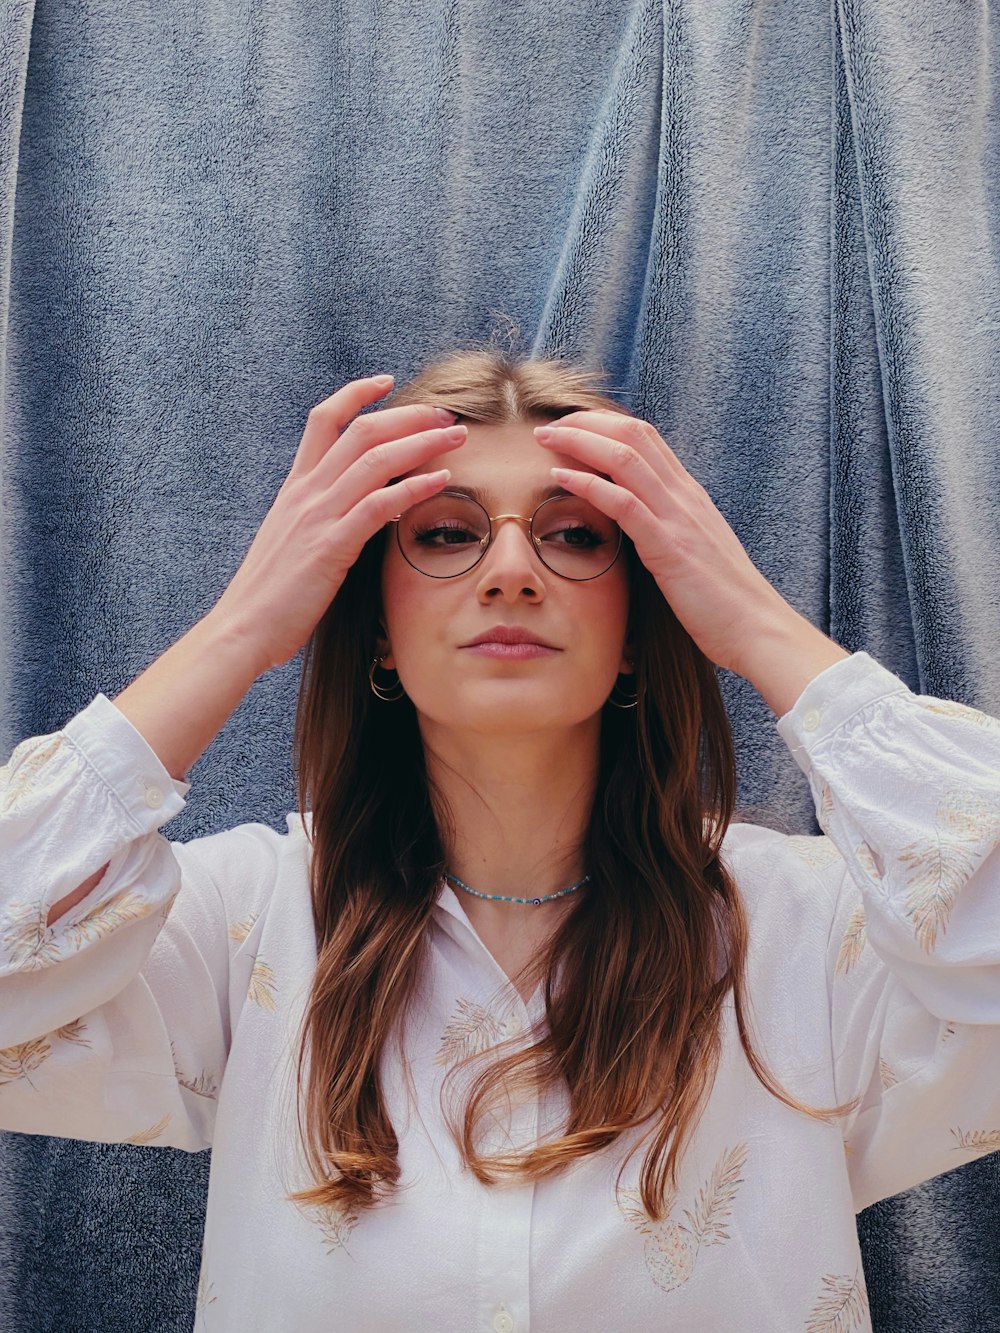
<point>499,897</point>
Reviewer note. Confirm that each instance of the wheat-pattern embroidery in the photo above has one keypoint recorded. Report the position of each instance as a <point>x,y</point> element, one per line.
<point>204,1085</point>
<point>950,708</point>
<point>816,852</point>
<point>825,807</point>
<point>22,1060</point>
<point>977,1140</point>
<point>887,1074</point>
<point>148,1135</point>
<point>841,1306</point>
<point>335,1225</point>
<point>21,769</point>
<point>851,946</point>
<point>938,867</point>
<point>473,1029</point>
<point>104,917</point>
<point>868,862</point>
<point>204,1300</point>
<point>28,942</point>
<point>239,930</point>
<point>671,1248</point>
<point>31,944</point>
<point>261,990</point>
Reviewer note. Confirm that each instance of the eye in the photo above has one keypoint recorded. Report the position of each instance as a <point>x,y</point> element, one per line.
<point>444,534</point>
<point>579,535</point>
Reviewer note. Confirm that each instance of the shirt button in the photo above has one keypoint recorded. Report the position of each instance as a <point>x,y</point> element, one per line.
<point>154,798</point>
<point>502,1322</point>
<point>810,720</point>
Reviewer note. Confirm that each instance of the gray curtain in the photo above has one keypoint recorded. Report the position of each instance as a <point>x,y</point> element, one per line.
<point>773,223</point>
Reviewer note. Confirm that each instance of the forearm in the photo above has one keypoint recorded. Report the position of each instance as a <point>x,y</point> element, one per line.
<point>785,653</point>
<point>181,702</point>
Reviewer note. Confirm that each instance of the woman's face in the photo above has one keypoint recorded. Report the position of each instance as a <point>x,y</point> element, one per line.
<point>429,620</point>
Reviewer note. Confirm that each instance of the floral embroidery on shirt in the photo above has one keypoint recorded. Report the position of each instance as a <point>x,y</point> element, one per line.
<point>842,1306</point>
<point>851,946</point>
<point>239,930</point>
<point>939,867</point>
<point>886,1074</point>
<point>977,1140</point>
<point>20,770</point>
<point>261,988</point>
<point>21,1060</point>
<point>816,852</point>
<point>204,1085</point>
<point>472,1030</point>
<point>671,1248</point>
<point>148,1135</point>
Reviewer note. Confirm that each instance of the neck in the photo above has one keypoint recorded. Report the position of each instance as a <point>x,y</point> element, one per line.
<point>520,805</point>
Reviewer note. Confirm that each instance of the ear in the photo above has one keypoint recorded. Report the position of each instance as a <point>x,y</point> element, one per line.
<point>382,647</point>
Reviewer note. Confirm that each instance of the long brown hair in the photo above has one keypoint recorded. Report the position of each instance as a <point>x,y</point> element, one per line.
<point>644,960</point>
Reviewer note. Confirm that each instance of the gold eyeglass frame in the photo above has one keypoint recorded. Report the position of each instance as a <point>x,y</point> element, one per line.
<point>486,542</point>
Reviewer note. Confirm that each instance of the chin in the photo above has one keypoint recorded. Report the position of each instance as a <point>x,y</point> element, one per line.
<point>506,707</point>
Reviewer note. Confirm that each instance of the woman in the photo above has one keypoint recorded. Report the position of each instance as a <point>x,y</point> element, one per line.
<point>517,1027</point>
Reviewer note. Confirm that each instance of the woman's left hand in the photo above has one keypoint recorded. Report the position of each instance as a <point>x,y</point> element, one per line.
<point>714,588</point>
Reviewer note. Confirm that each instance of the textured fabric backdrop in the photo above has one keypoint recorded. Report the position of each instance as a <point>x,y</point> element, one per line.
<point>775,224</point>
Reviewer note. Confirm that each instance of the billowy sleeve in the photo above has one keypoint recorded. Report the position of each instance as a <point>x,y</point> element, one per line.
<point>115,1021</point>
<point>907,788</point>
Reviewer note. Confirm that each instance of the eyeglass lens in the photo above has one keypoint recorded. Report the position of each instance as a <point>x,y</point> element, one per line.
<point>447,534</point>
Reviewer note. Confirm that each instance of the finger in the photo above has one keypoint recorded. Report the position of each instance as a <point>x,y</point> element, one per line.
<point>377,508</point>
<point>631,430</point>
<point>375,430</point>
<point>392,458</point>
<point>624,506</point>
<point>622,461</point>
<point>328,420</point>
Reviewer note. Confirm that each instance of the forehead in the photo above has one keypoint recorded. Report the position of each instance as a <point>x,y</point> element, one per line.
<point>498,461</point>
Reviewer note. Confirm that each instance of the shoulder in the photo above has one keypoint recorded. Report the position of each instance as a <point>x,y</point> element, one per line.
<point>792,884</point>
<point>245,864</point>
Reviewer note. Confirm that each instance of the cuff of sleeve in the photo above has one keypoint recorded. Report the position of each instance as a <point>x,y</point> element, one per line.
<point>831,699</point>
<point>127,763</point>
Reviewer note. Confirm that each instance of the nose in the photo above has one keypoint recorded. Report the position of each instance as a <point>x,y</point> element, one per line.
<point>511,567</point>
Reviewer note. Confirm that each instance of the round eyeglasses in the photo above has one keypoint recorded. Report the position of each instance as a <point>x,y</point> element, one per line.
<point>449,533</point>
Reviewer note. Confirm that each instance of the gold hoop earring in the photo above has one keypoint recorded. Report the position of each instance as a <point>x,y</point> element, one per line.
<point>389,698</point>
<point>614,702</point>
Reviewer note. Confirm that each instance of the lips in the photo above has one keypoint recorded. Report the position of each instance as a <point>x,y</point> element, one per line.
<point>508,634</point>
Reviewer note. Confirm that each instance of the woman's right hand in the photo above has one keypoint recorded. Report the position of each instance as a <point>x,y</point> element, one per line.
<point>333,500</point>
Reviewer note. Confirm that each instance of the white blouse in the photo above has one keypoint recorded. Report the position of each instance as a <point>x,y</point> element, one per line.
<point>163,1010</point>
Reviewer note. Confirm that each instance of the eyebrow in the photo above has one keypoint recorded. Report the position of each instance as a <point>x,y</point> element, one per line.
<point>487,499</point>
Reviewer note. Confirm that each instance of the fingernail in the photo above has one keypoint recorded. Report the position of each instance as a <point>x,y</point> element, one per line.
<point>444,416</point>
<point>383,381</point>
<point>543,433</point>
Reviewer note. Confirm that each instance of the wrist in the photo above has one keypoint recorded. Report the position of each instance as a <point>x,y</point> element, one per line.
<point>785,652</point>
<point>234,640</point>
